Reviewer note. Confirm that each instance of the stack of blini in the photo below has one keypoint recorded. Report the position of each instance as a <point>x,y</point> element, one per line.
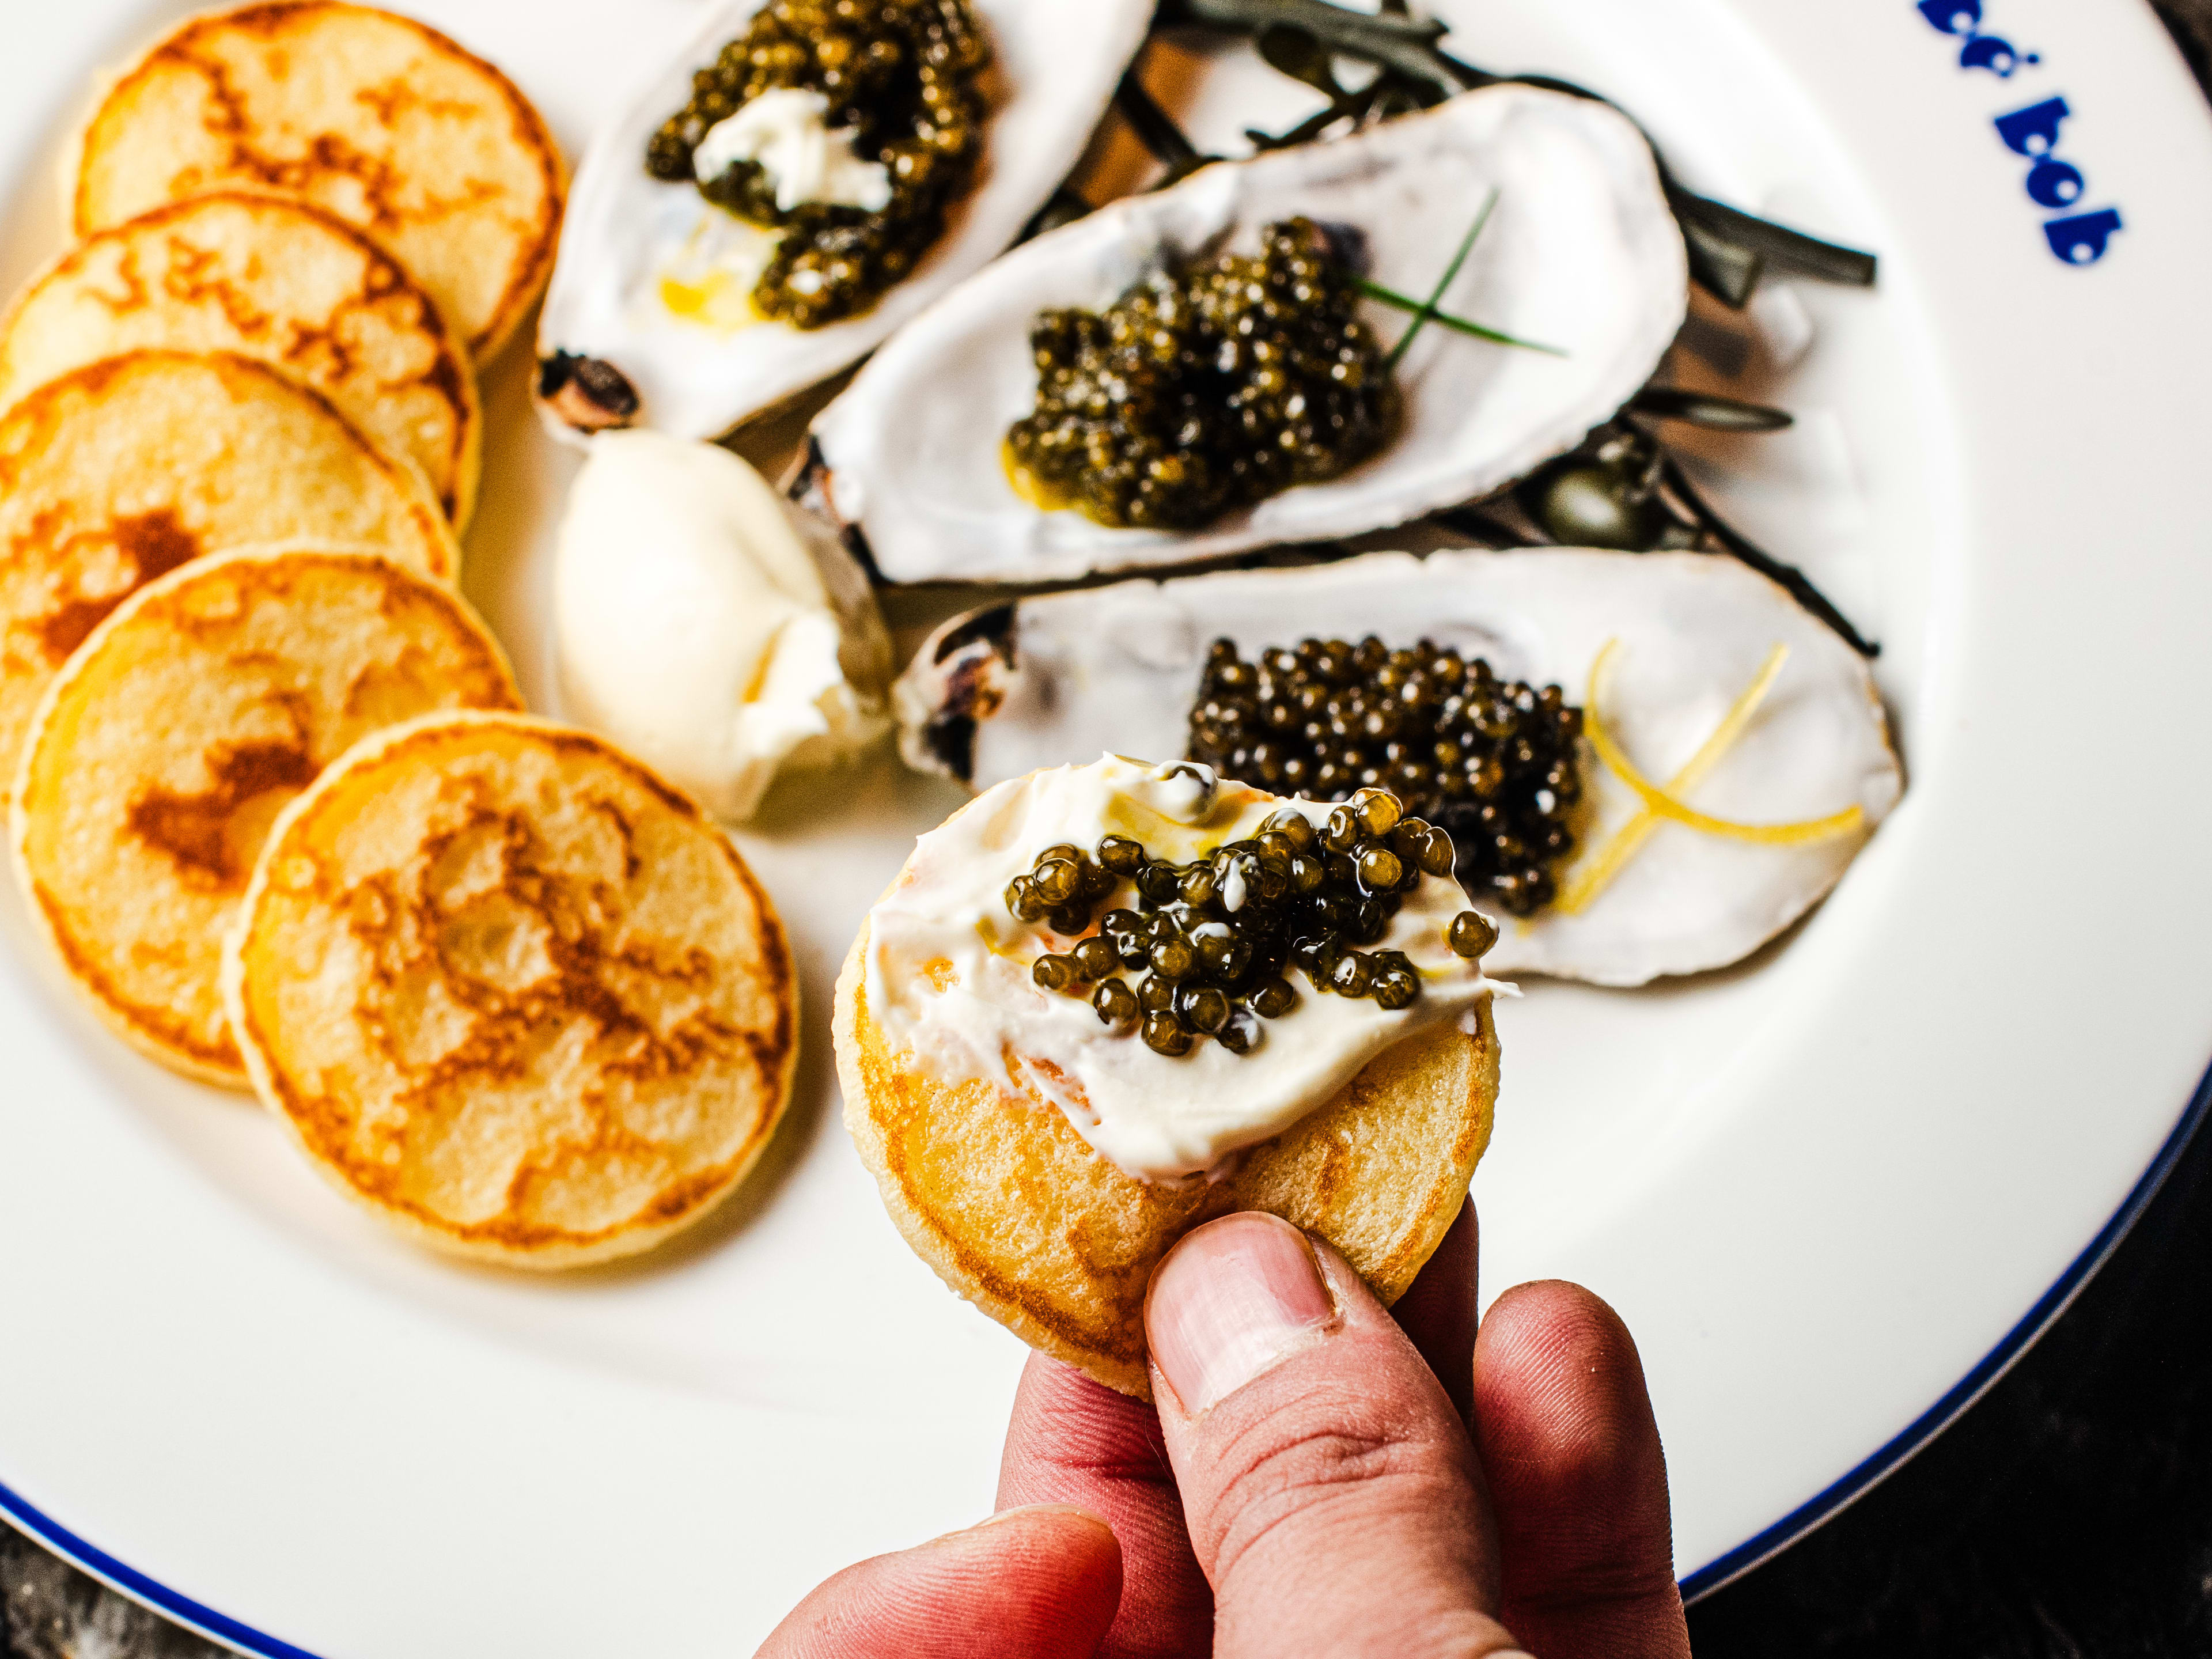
<point>273,799</point>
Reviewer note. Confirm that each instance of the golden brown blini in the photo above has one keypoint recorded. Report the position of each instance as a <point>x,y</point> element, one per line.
<point>512,993</point>
<point>371,116</point>
<point>283,282</point>
<point>1017,1212</point>
<point>166,747</point>
<point>120,471</point>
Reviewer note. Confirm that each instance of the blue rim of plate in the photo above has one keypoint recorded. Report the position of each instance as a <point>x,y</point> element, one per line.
<point>1829,1501</point>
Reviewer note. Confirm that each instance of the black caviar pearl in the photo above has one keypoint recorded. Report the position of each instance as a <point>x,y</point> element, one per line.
<point>1024,900</point>
<point>1159,882</point>
<point>1054,973</point>
<point>1070,919</point>
<point>1155,994</point>
<point>1199,885</point>
<point>1114,1003</point>
<point>1121,856</point>
<point>1275,998</point>
<point>1308,875</point>
<point>1057,879</point>
<point>1097,882</point>
<point>1470,933</point>
<point>1203,1008</point>
<point>1166,1035</point>
<point>1096,958</point>
<point>1342,833</point>
<point>1436,854</point>
<point>1352,975</point>
<point>1379,868</point>
<point>1240,1033</point>
<point>1395,989</point>
<point>1377,811</point>
<point>1235,965</point>
<point>1174,958</point>
<point>1216,945</point>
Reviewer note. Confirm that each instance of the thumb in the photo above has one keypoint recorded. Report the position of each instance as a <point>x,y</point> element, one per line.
<point>1040,1583</point>
<point>1333,1496</point>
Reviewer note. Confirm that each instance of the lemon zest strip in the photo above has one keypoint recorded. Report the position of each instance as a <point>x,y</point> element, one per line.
<point>1660,805</point>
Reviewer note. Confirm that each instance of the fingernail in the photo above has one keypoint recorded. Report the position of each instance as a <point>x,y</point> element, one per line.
<point>1232,1298</point>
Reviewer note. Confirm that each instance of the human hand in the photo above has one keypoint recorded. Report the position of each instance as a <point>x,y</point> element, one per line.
<point>1307,1485</point>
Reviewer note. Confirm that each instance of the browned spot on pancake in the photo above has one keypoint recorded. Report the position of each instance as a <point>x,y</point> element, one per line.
<point>134,296</point>
<point>194,277</point>
<point>396,96</point>
<point>443,376</point>
<point>322,349</point>
<point>631,862</point>
<point>155,544</point>
<point>195,829</point>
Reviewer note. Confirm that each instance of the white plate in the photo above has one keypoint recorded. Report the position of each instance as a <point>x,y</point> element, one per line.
<point>1831,1192</point>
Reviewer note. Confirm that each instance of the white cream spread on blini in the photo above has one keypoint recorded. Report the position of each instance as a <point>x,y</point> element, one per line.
<point>693,625</point>
<point>948,974</point>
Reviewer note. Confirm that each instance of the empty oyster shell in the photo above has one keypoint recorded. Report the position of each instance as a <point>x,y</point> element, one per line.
<point>1580,253</point>
<point>1055,65</point>
<point>1058,678</point>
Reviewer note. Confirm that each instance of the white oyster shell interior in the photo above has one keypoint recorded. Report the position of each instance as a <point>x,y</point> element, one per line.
<point>1055,65</point>
<point>1115,669</point>
<point>1580,253</point>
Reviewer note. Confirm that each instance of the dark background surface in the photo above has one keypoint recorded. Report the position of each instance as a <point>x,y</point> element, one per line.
<point>2066,1515</point>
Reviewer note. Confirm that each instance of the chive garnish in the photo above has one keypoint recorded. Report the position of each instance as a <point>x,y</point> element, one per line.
<point>1390,296</point>
<point>1436,297</point>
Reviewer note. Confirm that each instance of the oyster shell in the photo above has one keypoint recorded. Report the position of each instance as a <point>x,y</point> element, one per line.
<point>1058,678</point>
<point>1055,65</point>
<point>1580,253</point>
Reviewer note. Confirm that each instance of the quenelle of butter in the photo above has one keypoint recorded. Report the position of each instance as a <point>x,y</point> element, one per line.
<point>948,974</point>
<point>694,625</point>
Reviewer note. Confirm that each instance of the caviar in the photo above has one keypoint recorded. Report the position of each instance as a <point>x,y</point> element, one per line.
<point>1207,388</point>
<point>905,75</point>
<point>1493,763</point>
<point>1208,947</point>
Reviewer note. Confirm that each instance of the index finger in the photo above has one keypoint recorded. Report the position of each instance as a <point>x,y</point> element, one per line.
<point>1438,1309</point>
<point>1074,1440</point>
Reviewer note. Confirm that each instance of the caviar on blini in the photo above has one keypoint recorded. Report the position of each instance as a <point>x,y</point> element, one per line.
<point>1495,763</point>
<point>1209,946</point>
<point>1206,387</point>
<point>905,75</point>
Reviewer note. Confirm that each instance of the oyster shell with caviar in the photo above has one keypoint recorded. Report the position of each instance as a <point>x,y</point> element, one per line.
<point>1578,253</point>
<point>652,317</point>
<point>1706,679</point>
